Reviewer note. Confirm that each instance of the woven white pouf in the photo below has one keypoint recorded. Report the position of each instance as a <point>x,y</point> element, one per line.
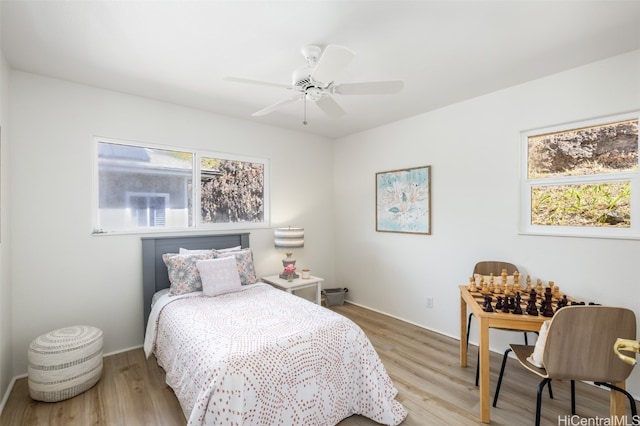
<point>64,363</point>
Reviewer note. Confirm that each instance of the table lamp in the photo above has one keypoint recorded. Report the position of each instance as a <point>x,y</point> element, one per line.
<point>288,238</point>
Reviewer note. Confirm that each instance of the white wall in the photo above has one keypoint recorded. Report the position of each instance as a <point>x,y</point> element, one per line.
<point>473,148</point>
<point>6,368</point>
<point>62,275</point>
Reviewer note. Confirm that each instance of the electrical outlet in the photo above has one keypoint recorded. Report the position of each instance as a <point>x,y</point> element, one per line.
<point>429,302</point>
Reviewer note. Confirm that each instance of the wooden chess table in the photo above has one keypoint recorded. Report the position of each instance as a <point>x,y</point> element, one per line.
<point>506,321</point>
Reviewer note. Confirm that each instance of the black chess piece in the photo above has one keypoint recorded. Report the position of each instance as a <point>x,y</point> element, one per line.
<point>518,309</point>
<point>505,305</point>
<point>499,302</point>
<point>487,303</point>
<point>532,309</point>
<point>548,305</point>
<point>560,304</point>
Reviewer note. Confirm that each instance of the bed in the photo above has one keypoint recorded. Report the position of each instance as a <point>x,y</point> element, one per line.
<point>257,355</point>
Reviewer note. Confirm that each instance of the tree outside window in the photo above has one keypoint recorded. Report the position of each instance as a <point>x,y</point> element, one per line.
<point>149,188</point>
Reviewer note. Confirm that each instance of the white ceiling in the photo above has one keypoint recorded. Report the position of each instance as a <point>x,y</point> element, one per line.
<point>179,51</point>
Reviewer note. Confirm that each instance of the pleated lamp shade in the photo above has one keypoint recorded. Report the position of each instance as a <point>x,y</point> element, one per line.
<point>289,237</point>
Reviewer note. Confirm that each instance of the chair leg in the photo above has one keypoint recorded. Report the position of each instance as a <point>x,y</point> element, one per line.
<point>504,363</point>
<point>468,329</point>
<point>632,402</point>
<point>478,368</point>
<point>539,399</point>
<point>526,339</point>
<point>573,397</point>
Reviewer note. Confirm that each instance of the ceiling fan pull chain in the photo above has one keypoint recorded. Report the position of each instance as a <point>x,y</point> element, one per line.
<point>304,100</point>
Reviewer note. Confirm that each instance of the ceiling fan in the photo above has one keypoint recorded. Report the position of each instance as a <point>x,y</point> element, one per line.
<point>315,82</point>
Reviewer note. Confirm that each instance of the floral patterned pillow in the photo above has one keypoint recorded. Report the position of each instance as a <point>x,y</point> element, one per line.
<point>244,260</point>
<point>183,272</point>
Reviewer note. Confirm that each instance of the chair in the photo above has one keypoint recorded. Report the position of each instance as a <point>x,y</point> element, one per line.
<point>488,268</point>
<point>579,346</point>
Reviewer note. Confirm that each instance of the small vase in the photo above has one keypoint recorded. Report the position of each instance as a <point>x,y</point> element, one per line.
<point>290,277</point>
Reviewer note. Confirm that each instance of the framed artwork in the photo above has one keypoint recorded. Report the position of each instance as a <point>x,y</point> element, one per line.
<point>403,201</point>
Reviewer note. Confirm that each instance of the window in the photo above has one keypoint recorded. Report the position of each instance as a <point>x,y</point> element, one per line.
<point>149,188</point>
<point>582,179</point>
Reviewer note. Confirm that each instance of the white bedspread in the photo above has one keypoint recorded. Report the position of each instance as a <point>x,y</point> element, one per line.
<point>261,356</point>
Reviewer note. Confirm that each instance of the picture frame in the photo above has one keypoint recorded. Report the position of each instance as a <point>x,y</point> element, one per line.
<point>403,201</point>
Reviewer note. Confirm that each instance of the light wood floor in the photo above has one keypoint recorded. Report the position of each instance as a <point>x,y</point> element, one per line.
<point>423,365</point>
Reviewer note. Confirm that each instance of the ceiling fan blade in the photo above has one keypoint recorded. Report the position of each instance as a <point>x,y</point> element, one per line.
<point>333,60</point>
<point>270,108</point>
<point>257,82</point>
<point>369,88</point>
<point>330,107</point>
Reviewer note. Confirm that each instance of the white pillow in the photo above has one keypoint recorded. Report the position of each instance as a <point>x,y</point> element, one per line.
<point>536,357</point>
<point>219,276</point>
<point>207,251</point>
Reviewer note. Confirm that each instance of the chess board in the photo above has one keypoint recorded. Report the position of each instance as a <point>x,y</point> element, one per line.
<point>556,300</point>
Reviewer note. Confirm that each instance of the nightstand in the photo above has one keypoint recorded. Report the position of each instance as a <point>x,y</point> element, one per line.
<point>296,284</point>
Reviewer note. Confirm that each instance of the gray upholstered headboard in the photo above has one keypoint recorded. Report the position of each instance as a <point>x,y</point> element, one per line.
<point>154,272</point>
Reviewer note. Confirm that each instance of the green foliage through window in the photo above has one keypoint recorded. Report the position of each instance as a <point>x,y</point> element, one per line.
<point>581,179</point>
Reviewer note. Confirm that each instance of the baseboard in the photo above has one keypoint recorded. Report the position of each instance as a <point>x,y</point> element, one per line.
<point>119,351</point>
<point>5,397</point>
<point>403,320</point>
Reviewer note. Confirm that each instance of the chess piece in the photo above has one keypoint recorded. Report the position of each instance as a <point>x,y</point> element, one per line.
<point>532,309</point>
<point>472,285</point>
<point>487,304</point>
<point>539,289</point>
<point>548,305</point>
<point>561,303</point>
<point>503,275</point>
<point>499,302</point>
<point>506,305</point>
<point>528,287</point>
<point>518,309</point>
<point>517,287</point>
<point>556,293</point>
<point>484,288</point>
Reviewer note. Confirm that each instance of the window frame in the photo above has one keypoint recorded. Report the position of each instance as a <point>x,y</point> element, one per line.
<point>526,185</point>
<point>195,223</point>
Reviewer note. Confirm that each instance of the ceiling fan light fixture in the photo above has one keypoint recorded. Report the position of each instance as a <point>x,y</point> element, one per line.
<point>316,82</point>
<point>313,93</point>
